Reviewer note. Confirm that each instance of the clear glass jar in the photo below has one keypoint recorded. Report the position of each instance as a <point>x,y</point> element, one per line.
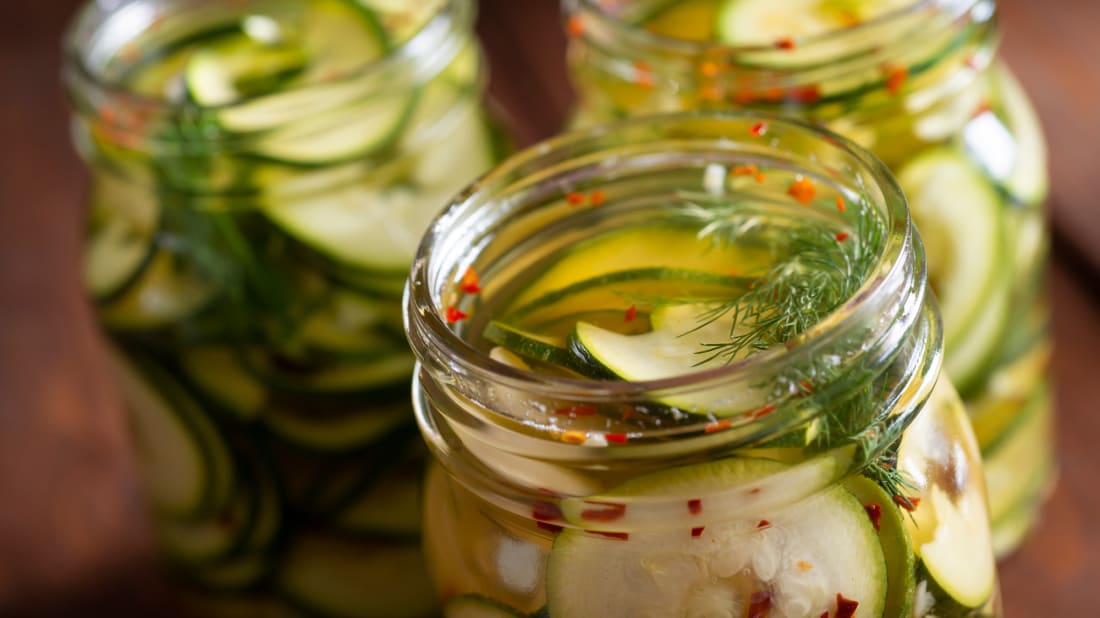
<point>261,173</point>
<point>825,474</point>
<point>919,84</point>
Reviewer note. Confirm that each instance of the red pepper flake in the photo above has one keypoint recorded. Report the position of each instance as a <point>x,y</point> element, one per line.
<point>985,107</point>
<point>760,604</point>
<point>785,43</point>
<point>763,523</point>
<point>628,413</point>
<point>709,68</point>
<point>630,314</point>
<point>643,74</point>
<point>695,506</point>
<point>896,78</point>
<point>454,314</point>
<point>611,512</point>
<point>761,178</point>
<point>807,386</point>
<point>745,170</point>
<point>824,614</point>
<point>802,190</point>
<point>842,236</point>
<point>762,412</point>
<point>845,608</point>
<point>744,97</point>
<point>574,411</point>
<point>710,92</point>
<point>874,511</point>
<point>908,503</point>
<point>574,198</point>
<point>805,94</point>
<point>549,527</point>
<point>574,437</point>
<point>618,536</point>
<point>697,532</point>
<point>597,198</point>
<point>575,26</point>
<point>545,511</point>
<point>804,566</point>
<point>718,426</point>
<point>759,129</point>
<point>471,283</point>
<point>840,204</point>
<point>617,438</point>
<point>754,491</point>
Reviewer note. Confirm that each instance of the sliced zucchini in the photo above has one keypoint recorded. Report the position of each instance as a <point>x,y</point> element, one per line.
<point>351,327</point>
<point>185,462</point>
<point>1028,181</point>
<point>337,432</point>
<point>240,67</point>
<point>477,606</point>
<point>950,525</point>
<point>390,508</point>
<point>168,291</point>
<point>761,22</point>
<point>218,373</point>
<point>960,217</point>
<point>897,548</point>
<point>338,379</point>
<point>807,553</point>
<point>343,579</point>
<point>675,347</point>
<point>207,540</point>
<point>539,348</point>
<point>124,218</point>
<point>1020,461</point>
<point>237,574</point>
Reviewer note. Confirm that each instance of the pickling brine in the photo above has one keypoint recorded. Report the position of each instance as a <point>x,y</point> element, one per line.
<point>688,366</point>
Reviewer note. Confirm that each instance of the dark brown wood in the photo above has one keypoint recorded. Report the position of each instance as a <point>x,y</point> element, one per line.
<point>71,532</point>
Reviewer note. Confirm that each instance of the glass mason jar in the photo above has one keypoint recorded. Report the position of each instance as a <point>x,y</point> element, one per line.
<point>919,84</point>
<point>261,173</point>
<point>603,446</point>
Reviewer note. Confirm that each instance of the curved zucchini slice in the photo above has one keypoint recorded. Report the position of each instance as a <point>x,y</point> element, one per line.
<point>216,371</point>
<point>337,432</point>
<point>186,465</point>
<point>123,225</point>
<point>390,508</point>
<point>338,578</point>
<point>896,545</point>
<point>166,292</point>
<point>799,556</point>
<point>338,379</point>
<point>960,217</point>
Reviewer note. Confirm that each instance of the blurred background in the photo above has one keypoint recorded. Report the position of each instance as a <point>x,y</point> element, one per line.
<point>72,536</point>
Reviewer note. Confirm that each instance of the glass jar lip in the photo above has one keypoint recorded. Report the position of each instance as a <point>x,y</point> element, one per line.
<point>390,63</point>
<point>658,42</point>
<point>424,316</point>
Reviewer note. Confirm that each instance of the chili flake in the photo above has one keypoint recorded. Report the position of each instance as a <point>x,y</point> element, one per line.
<point>896,78</point>
<point>612,512</point>
<point>760,604</point>
<point>710,92</point>
<point>471,283</point>
<point>454,314</point>
<point>802,190</point>
<point>708,68</point>
<point>805,384</point>
<point>842,236</point>
<point>762,412</point>
<point>785,43</point>
<point>545,511</point>
<point>806,94</point>
<point>695,506</point>
<point>744,97</point>
<point>717,426</point>
<point>763,523</point>
<point>628,413</point>
<point>908,503</point>
<point>840,204</point>
<point>630,314</point>
<point>759,129</point>
<point>761,178</point>
<point>874,511</point>
<point>549,527</point>
<point>643,74</point>
<point>617,438</point>
<point>697,532</point>
<point>575,26</point>
<point>845,608</point>
<point>574,198</point>
<point>597,198</point>
<point>574,437</point>
<point>745,170</point>
<point>804,566</point>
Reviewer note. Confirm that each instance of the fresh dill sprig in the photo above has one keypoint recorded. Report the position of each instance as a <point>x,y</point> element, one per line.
<point>817,268</point>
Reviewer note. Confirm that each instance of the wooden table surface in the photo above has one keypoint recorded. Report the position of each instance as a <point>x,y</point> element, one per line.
<point>72,537</point>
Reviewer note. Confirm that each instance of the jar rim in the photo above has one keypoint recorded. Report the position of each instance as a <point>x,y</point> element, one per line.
<point>403,62</point>
<point>425,316</point>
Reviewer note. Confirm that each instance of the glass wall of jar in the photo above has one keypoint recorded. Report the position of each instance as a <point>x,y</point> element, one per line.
<point>687,366</point>
<point>918,83</point>
<point>261,173</point>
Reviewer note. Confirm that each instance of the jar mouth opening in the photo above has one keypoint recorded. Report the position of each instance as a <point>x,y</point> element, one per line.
<point>402,65</point>
<point>426,312</point>
<point>608,15</point>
